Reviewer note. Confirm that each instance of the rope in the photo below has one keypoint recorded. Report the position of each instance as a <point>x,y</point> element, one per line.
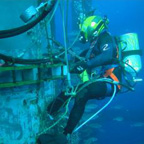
<point>54,11</point>
<point>66,51</point>
<point>72,45</point>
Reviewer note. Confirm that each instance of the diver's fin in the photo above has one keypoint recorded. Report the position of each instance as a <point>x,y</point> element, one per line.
<point>52,139</point>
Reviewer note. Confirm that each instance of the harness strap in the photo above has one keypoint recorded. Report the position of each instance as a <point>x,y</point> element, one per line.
<point>112,75</point>
<point>110,71</point>
<point>91,49</point>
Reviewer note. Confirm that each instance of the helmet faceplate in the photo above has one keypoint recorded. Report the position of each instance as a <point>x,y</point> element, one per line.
<point>92,27</point>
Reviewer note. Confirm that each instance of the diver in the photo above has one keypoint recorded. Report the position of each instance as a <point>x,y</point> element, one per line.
<point>101,60</point>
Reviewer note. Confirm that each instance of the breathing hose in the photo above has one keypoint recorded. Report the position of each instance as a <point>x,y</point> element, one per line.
<point>95,114</point>
<point>115,83</point>
<point>97,111</point>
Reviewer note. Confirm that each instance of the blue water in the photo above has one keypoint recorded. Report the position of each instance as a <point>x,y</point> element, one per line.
<point>125,16</point>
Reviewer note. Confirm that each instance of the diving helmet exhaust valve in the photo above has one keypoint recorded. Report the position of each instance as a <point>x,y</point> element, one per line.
<point>80,38</point>
<point>28,13</point>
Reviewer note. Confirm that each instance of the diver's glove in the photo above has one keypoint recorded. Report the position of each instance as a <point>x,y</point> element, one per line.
<point>78,67</point>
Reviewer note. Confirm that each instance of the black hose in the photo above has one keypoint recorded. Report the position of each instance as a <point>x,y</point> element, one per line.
<point>13,60</point>
<point>22,29</point>
<point>22,61</point>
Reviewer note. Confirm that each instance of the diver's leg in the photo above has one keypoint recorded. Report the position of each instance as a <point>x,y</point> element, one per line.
<point>100,90</point>
<point>77,111</point>
<point>57,103</point>
<point>97,90</point>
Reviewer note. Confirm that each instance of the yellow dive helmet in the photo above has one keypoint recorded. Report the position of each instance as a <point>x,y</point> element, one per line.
<point>92,27</point>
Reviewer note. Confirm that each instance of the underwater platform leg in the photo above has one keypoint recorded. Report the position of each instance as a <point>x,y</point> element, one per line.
<point>56,104</point>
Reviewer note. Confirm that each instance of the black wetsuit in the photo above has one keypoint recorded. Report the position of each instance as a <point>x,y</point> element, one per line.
<point>104,52</point>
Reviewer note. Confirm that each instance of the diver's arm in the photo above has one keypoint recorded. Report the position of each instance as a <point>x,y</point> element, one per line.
<point>108,52</point>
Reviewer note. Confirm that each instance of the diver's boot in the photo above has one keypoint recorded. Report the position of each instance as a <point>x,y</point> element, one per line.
<point>52,139</point>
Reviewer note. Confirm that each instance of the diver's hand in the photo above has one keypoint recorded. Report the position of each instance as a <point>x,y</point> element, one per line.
<point>78,67</point>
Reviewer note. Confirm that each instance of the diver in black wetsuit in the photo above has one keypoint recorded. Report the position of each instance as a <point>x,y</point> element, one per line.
<point>102,52</point>
<point>103,59</point>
